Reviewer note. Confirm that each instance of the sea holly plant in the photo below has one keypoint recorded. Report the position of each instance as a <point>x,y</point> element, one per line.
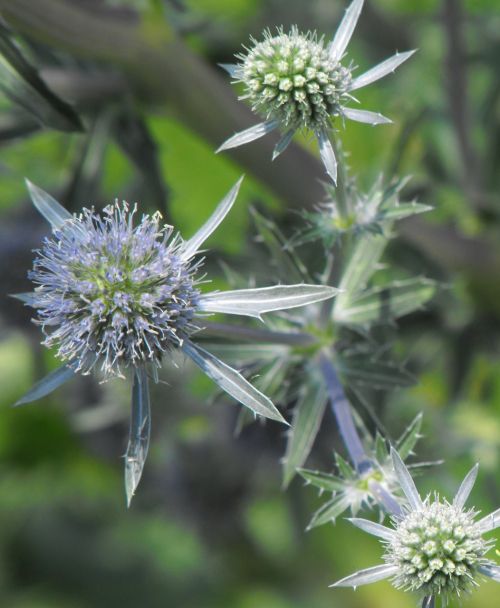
<point>300,81</point>
<point>435,548</point>
<point>115,292</point>
<point>310,357</point>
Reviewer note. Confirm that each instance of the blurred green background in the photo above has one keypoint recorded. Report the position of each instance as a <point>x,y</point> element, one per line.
<point>210,526</point>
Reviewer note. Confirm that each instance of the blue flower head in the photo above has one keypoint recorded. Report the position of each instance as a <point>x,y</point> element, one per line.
<point>112,294</point>
<point>114,291</point>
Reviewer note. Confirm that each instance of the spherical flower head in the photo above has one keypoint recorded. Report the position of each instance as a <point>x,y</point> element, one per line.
<point>437,550</point>
<point>111,294</point>
<point>291,78</point>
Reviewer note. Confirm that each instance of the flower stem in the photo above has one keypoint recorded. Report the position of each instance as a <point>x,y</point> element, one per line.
<point>342,411</point>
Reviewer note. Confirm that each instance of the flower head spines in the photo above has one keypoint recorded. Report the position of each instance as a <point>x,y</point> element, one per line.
<point>291,78</point>
<point>437,549</point>
<point>111,293</point>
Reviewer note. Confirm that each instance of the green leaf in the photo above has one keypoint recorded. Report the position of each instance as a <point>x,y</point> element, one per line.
<point>362,264</point>
<point>345,469</point>
<point>308,414</point>
<point>373,373</point>
<point>329,512</point>
<point>382,304</point>
<point>409,438</point>
<point>403,210</point>
<point>289,266</point>
<point>21,83</point>
<point>381,451</point>
<point>324,481</point>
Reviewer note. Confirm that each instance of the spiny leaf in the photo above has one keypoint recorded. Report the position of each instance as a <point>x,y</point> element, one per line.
<point>140,432</point>
<point>381,304</point>
<point>47,385</point>
<point>374,373</point>
<point>361,266</point>
<point>324,481</point>
<point>409,438</point>
<point>308,414</point>
<point>289,266</point>
<point>329,512</point>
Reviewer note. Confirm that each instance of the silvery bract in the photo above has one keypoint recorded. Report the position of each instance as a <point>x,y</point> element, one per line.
<point>435,548</point>
<point>298,81</point>
<point>372,486</point>
<point>114,292</point>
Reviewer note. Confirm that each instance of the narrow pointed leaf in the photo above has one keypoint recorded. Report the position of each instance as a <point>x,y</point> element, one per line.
<point>248,353</point>
<point>490,570</point>
<point>409,438</point>
<point>379,374</point>
<point>21,83</point>
<point>327,155</point>
<point>403,210</point>
<point>231,68</point>
<point>192,246</point>
<point>372,528</point>
<point>308,414</point>
<point>428,601</point>
<point>287,263</point>
<point>370,575</point>
<point>382,304</point>
<point>345,469</point>
<point>466,487</point>
<point>47,385</point>
<point>380,70</point>
<point>365,116</point>
<point>489,522</point>
<point>345,30</point>
<point>323,481</point>
<point>361,266</point>
<point>29,298</point>
<point>249,135</point>
<point>329,512</point>
<point>47,205</point>
<point>140,432</point>
<point>406,482</point>
<point>283,143</point>
<point>380,448</point>
<point>232,382</point>
<point>255,302</point>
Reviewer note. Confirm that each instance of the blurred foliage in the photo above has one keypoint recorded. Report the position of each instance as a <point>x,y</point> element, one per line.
<point>211,527</point>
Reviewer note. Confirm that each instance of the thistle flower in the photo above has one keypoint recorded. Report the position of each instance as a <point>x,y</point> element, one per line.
<point>297,81</point>
<point>435,548</point>
<point>113,295</point>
